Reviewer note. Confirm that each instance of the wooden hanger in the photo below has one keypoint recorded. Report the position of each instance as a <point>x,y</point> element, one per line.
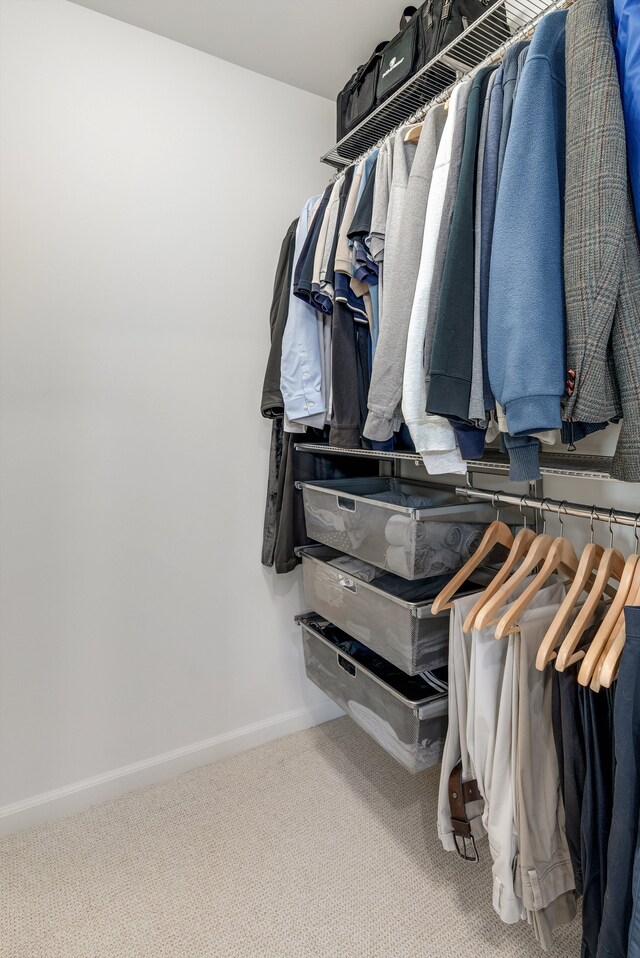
<point>413,133</point>
<point>608,669</point>
<point>610,624</point>
<point>497,533</point>
<point>561,557</point>
<point>537,552</point>
<point>611,566</point>
<point>520,547</point>
<point>589,559</point>
<point>619,627</point>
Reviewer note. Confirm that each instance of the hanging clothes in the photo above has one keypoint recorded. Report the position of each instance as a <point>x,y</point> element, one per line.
<point>451,364</point>
<point>526,319</point>
<point>433,437</point>
<point>500,730</point>
<point>619,932</point>
<point>385,395</point>
<point>595,209</point>
<point>497,302</point>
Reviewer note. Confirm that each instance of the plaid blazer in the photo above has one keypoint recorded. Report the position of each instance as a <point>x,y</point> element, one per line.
<point>601,248</point>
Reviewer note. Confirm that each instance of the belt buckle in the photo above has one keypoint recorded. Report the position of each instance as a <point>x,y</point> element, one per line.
<point>461,848</point>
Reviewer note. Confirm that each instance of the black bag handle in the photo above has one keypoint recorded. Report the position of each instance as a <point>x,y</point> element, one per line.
<point>407,13</point>
<point>362,69</point>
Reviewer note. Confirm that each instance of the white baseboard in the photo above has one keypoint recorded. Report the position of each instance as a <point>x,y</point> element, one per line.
<point>102,788</point>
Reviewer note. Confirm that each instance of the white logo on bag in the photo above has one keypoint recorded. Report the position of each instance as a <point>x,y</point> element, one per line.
<point>393,63</point>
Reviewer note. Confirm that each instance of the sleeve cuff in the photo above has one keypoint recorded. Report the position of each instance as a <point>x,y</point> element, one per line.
<point>531,414</point>
<point>347,437</point>
<point>433,434</point>
<point>305,407</point>
<point>524,458</point>
<point>378,427</point>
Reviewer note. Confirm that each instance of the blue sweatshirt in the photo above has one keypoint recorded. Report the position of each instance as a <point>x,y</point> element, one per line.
<point>526,312</point>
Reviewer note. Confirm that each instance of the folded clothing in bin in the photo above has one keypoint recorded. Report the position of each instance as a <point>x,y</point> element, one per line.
<point>412,531</point>
<point>406,715</point>
<point>346,531</point>
<point>429,548</point>
<point>412,687</point>
<point>357,568</point>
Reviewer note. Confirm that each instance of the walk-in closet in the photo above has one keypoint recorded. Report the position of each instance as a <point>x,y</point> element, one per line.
<point>319,479</point>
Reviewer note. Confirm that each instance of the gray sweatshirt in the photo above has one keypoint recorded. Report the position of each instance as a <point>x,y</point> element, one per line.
<point>385,393</point>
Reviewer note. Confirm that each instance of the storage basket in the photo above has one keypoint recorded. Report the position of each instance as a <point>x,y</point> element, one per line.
<point>410,724</point>
<point>412,541</point>
<point>390,615</point>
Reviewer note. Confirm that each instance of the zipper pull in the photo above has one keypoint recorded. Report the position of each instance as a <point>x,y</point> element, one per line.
<point>446,9</point>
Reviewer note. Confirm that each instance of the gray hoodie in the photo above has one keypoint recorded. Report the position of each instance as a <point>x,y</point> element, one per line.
<point>385,393</point>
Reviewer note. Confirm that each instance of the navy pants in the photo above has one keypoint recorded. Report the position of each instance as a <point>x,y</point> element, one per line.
<point>597,803</point>
<point>616,939</point>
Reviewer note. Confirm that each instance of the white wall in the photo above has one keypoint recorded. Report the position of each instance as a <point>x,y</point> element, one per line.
<point>145,191</point>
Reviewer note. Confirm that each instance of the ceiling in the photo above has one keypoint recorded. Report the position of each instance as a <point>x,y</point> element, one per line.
<point>311,44</point>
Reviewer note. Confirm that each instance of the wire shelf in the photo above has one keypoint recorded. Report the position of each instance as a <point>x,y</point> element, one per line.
<point>483,42</point>
<point>568,464</point>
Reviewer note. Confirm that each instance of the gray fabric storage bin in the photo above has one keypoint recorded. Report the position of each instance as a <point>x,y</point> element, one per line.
<point>413,732</point>
<point>390,615</point>
<point>410,542</point>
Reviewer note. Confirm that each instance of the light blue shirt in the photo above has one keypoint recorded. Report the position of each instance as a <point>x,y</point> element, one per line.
<point>302,350</point>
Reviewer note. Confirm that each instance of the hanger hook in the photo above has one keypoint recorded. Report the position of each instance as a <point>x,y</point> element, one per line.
<point>494,498</point>
<point>544,518</point>
<point>591,532</point>
<point>635,534</point>
<point>611,511</point>
<point>561,506</point>
<point>523,513</point>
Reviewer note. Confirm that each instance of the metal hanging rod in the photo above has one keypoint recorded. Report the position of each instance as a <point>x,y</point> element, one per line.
<point>560,508</point>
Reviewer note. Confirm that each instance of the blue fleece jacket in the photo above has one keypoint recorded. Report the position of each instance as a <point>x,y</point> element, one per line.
<point>526,313</point>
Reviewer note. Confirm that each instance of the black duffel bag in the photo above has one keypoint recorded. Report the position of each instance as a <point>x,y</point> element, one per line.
<point>358,98</point>
<point>405,54</point>
<point>424,32</point>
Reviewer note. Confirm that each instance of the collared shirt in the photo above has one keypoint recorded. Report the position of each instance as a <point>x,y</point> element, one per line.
<point>302,354</point>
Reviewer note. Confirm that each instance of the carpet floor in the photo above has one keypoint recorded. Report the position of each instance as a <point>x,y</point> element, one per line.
<point>318,845</point>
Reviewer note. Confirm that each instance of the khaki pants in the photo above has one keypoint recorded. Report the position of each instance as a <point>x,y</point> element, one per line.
<point>544,876</point>
<point>489,726</point>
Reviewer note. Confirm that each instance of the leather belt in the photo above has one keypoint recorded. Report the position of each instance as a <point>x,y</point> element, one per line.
<point>462,794</point>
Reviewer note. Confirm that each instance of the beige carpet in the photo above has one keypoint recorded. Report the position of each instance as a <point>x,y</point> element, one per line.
<point>315,846</point>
